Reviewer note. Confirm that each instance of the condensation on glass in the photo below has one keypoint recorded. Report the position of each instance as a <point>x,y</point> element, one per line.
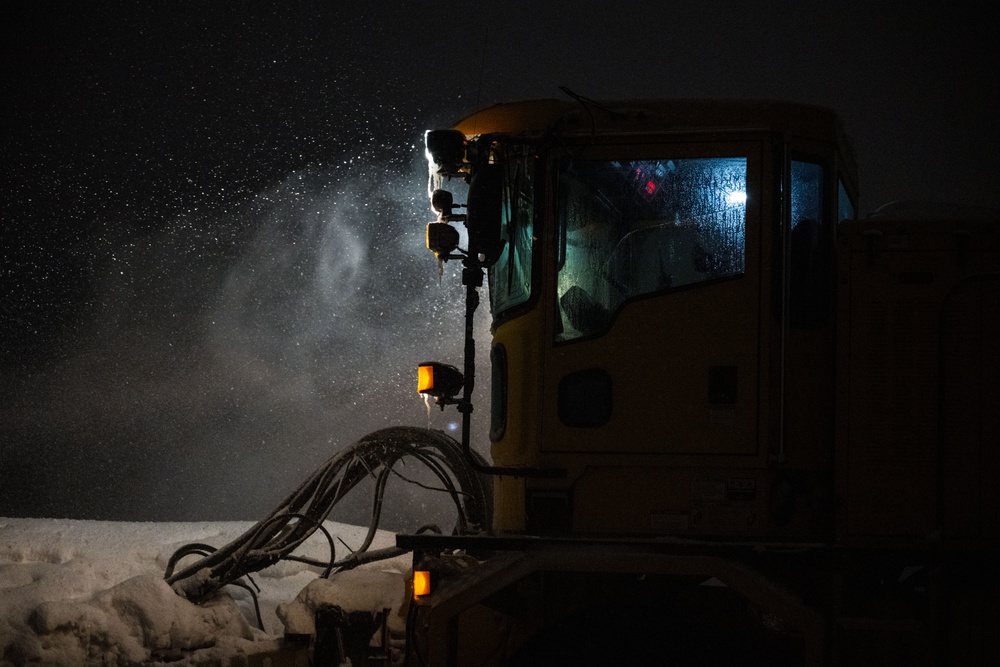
<point>629,229</point>
<point>510,277</point>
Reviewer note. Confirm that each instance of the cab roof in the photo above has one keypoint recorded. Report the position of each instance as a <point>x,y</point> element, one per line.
<point>531,119</point>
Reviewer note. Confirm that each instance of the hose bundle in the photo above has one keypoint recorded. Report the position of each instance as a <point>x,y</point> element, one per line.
<point>303,512</point>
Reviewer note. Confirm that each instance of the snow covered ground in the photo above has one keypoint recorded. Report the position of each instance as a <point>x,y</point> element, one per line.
<point>92,593</point>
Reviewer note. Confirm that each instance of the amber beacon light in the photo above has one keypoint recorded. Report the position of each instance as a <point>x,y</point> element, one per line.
<point>421,583</point>
<point>439,380</point>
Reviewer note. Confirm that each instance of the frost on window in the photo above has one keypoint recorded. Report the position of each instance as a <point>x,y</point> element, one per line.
<point>635,228</point>
<point>510,277</point>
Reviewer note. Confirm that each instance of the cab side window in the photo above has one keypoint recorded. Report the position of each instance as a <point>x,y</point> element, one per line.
<point>809,255</point>
<point>632,228</point>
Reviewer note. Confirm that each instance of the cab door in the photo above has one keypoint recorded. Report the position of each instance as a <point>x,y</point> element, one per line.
<point>655,345</point>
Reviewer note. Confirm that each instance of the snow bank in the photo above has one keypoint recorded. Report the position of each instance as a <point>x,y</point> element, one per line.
<point>92,593</point>
<point>354,590</point>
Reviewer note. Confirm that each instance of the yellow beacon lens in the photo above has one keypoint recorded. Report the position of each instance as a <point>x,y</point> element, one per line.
<point>439,380</point>
<point>425,379</point>
<point>421,582</point>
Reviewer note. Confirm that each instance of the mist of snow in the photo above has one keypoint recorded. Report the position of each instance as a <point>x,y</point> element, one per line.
<point>229,352</point>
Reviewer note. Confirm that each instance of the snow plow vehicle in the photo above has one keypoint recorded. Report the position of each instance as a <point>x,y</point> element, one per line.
<point>730,422</point>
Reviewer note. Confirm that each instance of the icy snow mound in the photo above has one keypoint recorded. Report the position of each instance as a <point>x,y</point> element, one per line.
<point>138,620</point>
<point>92,593</point>
<point>353,590</point>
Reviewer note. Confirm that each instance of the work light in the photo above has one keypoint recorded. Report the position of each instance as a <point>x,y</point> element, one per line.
<point>439,380</point>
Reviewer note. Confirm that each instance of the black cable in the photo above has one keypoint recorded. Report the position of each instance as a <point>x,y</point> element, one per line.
<point>253,583</point>
<point>256,602</point>
<point>427,486</point>
<point>186,550</point>
<point>362,558</point>
<point>274,537</point>
<point>411,635</point>
<point>299,540</point>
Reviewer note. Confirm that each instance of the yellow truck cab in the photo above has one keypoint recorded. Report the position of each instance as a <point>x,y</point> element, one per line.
<point>705,370</point>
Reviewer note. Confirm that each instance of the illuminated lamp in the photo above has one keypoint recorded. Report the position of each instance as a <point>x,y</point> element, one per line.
<point>439,380</point>
<point>421,583</point>
<point>736,198</point>
<point>445,151</point>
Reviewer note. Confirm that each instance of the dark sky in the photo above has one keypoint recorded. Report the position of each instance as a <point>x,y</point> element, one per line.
<point>213,271</point>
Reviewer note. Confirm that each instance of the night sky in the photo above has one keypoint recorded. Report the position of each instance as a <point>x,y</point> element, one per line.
<point>213,269</point>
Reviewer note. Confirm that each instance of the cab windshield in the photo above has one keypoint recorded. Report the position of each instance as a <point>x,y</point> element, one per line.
<point>632,228</point>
